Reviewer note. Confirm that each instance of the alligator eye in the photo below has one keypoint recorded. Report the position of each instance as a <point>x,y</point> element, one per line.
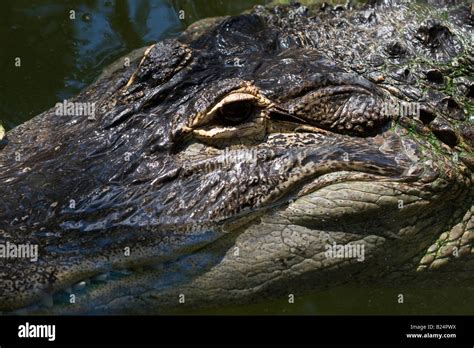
<point>236,116</point>
<point>235,113</point>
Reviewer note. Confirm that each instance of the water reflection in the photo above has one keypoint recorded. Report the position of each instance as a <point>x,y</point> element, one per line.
<point>62,52</point>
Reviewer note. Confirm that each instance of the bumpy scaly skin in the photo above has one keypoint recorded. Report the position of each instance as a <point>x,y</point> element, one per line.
<point>228,159</point>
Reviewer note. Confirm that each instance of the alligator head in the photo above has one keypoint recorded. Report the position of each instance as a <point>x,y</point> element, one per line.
<point>237,160</point>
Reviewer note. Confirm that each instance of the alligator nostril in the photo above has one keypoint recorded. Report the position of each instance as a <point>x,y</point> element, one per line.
<point>426,116</point>
<point>435,76</point>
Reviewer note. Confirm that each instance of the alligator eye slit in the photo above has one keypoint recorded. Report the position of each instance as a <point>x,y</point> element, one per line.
<point>236,113</point>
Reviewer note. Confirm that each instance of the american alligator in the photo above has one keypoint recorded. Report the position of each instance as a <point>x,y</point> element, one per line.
<point>223,166</point>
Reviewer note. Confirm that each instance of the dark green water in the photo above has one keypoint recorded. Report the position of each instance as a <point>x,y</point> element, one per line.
<point>361,301</point>
<point>60,56</point>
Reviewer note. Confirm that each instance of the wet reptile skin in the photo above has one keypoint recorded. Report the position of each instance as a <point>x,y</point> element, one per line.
<point>226,160</point>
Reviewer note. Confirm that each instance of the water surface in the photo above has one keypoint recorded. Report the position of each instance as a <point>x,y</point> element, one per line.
<point>61,55</point>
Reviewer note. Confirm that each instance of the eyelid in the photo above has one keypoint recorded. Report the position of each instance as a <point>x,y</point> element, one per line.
<point>231,98</point>
<point>234,97</point>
